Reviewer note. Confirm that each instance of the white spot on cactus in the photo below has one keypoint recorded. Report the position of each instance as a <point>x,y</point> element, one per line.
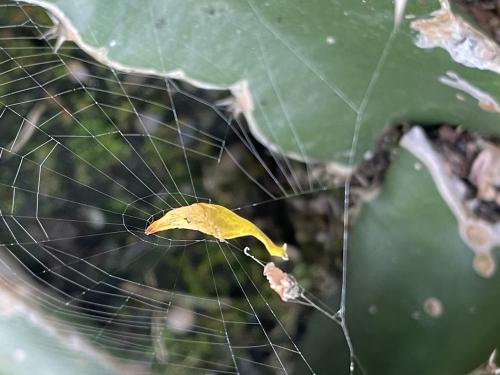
<point>112,43</point>
<point>433,307</point>
<point>373,309</point>
<point>484,265</point>
<point>477,233</point>
<point>330,40</point>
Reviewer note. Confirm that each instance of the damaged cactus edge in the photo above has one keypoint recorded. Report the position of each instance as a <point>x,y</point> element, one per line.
<point>471,48</point>
<point>466,45</point>
<point>480,235</point>
<point>239,103</point>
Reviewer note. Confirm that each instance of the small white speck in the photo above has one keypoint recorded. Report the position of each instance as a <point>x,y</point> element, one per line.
<point>330,40</point>
<point>19,355</point>
<point>368,155</point>
<point>410,16</point>
<point>460,97</point>
<point>372,309</point>
<point>112,43</point>
<point>417,166</point>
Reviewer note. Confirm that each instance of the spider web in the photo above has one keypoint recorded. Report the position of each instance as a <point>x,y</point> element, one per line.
<point>88,157</point>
